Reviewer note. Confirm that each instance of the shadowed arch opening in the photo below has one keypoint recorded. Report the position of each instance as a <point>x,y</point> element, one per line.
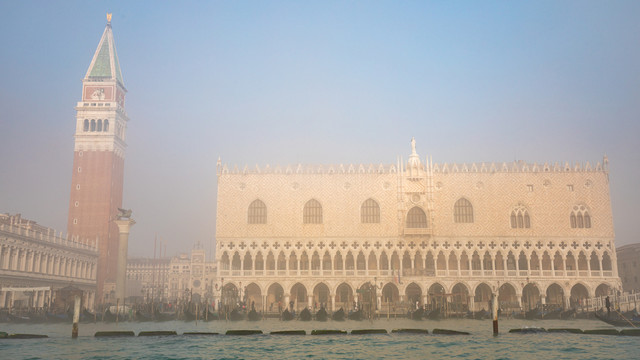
<point>579,294</point>
<point>416,218</point>
<point>413,294</point>
<point>370,212</point>
<point>312,212</point>
<point>253,294</point>
<point>555,297</point>
<point>257,212</point>
<point>460,300</point>
<point>298,297</point>
<point>320,296</point>
<point>436,297</point>
<point>463,211</point>
<point>482,297</point>
<point>344,296</point>
<point>390,294</point>
<point>275,298</point>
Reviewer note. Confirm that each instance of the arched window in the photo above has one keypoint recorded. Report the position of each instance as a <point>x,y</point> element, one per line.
<point>106,126</point>
<point>370,212</point>
<point>93,125</point>
<point>257,213</point>
<point>86,125</point>
<point>580,218</point>
<point>416,218</point>
<point>312,213</point>
<point>99,127</point>
<point>520,218</point>
<point>463,211</point>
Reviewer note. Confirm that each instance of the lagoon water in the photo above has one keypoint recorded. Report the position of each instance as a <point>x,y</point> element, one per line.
<point>481,344</point>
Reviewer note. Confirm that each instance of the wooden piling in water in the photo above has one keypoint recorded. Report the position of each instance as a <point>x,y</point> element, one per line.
<point>494,313</point>
<point>76,317</point>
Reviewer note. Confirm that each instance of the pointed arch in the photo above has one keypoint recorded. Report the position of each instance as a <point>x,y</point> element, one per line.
<point>257,212</point>
<point>304,261</point>
<point>271,261</point>
<point>259,261</point>
<point>373,261</point>
<point>416,218</point>
<point>224,261</point>
<point>247,263</point>
<point>370,212</point>
<point>326,261</point>
<point>293,261</point>
<point>282,261</point>
<point>337,262</point>
<point>312,212</point>
<point>520,218</point>
<point>580,218</point>
<point>463,211</point>
<point>361,263</point>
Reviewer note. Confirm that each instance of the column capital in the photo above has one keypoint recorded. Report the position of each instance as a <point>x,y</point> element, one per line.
<point>124,224</point>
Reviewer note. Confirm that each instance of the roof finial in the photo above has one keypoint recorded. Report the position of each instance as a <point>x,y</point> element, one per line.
<point>108,18</point>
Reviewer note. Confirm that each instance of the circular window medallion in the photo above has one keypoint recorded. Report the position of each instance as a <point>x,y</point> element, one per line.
<point>386,185</point>
<point>295,186</point>
<point>588,184</point>
<point>480,185</point>
<point>242,186</point>
<point>196,283</point>
<point>546,183</point>
<point>439,185</point>
<point>415,198</point>
<point>347,186</point>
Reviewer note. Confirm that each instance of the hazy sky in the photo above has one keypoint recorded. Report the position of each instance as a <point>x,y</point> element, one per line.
<point>275,82</point>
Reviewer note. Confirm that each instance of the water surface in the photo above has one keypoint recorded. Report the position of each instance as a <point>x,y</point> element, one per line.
<point>481,344</point>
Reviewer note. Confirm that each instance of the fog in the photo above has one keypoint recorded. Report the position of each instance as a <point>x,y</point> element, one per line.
<point>322,83</point>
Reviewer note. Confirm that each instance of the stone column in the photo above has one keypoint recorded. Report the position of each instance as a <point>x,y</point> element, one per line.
<point>124,225</point>
<point>3,297</point>
<point>333,302</point>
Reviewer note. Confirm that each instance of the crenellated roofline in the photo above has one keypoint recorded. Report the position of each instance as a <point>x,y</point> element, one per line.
<point>444,168</point>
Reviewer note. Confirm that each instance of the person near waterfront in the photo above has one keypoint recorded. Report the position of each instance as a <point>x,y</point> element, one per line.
<point>607,303</point>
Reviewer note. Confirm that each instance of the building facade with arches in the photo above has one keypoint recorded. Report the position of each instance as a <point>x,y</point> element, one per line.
<point>423,233</point>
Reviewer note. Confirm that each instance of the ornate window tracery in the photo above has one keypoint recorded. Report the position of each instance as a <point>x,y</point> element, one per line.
<point>463,211</point>
<point>370,212</point>
<point>257,213</point>
<point>416,218</point>
<point>520,218</point>
<point>580,218</point>
<point>312,212</point>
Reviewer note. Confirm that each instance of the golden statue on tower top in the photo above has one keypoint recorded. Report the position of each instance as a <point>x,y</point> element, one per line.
<point>109,17</point>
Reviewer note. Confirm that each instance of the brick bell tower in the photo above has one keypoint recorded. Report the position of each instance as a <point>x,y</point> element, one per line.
<point>98,160</point>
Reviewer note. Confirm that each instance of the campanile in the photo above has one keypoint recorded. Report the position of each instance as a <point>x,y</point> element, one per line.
<point>98,160</point>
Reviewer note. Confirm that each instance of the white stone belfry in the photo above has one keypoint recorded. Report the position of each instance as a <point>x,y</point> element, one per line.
<point>124,226</point>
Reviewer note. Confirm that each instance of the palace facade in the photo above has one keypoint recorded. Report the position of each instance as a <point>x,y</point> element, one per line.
<point>35,261</point>
<point>422,232</point>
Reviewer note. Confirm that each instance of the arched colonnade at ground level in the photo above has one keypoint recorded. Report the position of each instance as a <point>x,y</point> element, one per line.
<point>455,296</point>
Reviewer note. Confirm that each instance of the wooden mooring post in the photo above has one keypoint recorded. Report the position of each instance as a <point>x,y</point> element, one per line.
<point>76,317</point>
<point>494,313</point>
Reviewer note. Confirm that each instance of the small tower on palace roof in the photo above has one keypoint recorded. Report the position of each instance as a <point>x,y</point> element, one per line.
<point>105,65</point>
<point>414,166</point>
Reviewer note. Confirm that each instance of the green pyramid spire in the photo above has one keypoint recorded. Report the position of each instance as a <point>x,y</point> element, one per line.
<point>105,64</point>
